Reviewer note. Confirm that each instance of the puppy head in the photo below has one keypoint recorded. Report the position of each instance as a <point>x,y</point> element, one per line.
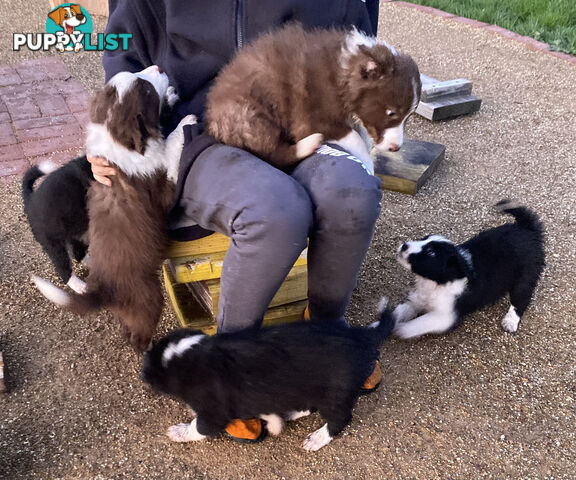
<point>162,360</point>
<point>435,258</point>
<point>385,89</point>
<point>130,105</point>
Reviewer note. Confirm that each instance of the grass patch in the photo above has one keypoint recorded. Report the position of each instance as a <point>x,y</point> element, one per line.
<point>550,21</point>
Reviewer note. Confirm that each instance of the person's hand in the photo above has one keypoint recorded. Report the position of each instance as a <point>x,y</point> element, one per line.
<point>101,170</point>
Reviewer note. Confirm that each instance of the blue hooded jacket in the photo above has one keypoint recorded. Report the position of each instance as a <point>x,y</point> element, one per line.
<point>191,40</point>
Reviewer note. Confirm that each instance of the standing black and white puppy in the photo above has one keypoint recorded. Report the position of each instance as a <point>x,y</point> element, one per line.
<point>455,280</point>
<point>277,373</point>
<point>56,212</point>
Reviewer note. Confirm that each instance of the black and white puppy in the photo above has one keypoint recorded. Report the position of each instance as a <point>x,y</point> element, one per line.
<point>277,373</point>
<point>455,280</point>
<point>57,215</point>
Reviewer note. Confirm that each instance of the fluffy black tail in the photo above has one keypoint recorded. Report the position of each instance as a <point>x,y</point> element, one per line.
<point>524,217</point>
<point>382,329</point>
<point>31,175</point>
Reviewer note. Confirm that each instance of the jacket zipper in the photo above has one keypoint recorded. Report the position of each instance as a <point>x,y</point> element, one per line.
<point>239,24</point>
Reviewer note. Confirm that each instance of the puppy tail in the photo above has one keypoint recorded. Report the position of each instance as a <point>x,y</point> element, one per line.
<point>524,217</point>
<point>383,328</point>
<point>33,174</point>
<point>76,303</point>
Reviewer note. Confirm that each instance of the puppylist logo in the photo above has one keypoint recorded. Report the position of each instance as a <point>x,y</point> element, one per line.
<point>69,29</point>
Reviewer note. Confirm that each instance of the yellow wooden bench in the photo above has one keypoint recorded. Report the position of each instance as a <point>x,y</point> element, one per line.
<point>192,279</point>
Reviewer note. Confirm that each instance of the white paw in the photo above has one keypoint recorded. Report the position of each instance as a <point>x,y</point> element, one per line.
<point>511,320</point>
<point>86,260</point>
<point>77,285</point>
<point>318,439</point>
<point>274,424</point>
<point>308,145</point>
<point>171,96</point>
<point>291,416</point>
<point>382,304</point>
<point>184,432</point>
<point>407,330</point>
<point>403,313</point>
<point>188,120</point>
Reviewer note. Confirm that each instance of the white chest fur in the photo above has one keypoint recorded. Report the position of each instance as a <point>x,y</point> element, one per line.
<point>430,296</point>
<point>100,143</point>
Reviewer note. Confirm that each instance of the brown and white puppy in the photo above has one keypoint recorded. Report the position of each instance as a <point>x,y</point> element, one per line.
<point>68,18</point>
<point>290,90</point>
<point>127,220</point>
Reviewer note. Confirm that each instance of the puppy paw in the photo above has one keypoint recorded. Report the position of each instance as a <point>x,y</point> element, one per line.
<point>510,321</point>
<point>188,120</point>
<point>308,145</point>
<point>86,260</point>
<point>291,416</point>
<point>403,313</point>
<point>406,331</point>
<point>138,340</point>
<point>184,432</point>
<point>274,424</point>
<point>318,439</point>
<point>171,96</point>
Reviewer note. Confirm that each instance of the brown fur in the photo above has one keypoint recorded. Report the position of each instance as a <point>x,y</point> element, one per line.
<point>127,221</point>
<point>127,244</point>
<point>290,84</point>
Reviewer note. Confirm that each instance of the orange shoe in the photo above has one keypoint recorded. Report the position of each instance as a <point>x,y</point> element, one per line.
<point>245,431</point>
<point>373,381</point>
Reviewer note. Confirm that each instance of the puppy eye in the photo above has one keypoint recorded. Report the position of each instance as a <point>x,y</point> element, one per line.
<point>430,252</point>
<point>391,113</point>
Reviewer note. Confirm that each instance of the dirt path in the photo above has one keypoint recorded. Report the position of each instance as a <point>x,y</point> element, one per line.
<point>478,403</point>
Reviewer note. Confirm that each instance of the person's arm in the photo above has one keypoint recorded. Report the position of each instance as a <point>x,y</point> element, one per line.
<point>373,7</point>
<point>363,15</point>
<point>138,19</point>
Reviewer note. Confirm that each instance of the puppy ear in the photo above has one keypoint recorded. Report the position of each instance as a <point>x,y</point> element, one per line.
<point>136,119</point>
<point>102,101</point>
<point>141,139</point>
<point>77,9</point>
<point>456,266</point>
<point>378,62</point>
<point>57,15</point>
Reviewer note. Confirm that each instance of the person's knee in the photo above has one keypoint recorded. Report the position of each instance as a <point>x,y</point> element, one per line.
<point>281,211</point>
<point>348,199</point>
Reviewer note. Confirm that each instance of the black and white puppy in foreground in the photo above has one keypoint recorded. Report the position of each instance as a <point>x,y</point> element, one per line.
<point>277,373</point>
<point>455,280</point>
<point>56,212</point>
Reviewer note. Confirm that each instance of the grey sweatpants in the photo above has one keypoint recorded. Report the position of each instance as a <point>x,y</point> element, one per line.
<point>329,199</point>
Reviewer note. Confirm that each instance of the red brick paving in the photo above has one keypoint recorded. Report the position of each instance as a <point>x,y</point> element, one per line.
<point>43,112</point>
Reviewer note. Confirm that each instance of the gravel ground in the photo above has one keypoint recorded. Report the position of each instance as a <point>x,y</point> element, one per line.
<point>476,404</point>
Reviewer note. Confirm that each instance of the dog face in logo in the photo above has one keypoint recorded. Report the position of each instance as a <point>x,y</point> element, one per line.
<point>68,18</point>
